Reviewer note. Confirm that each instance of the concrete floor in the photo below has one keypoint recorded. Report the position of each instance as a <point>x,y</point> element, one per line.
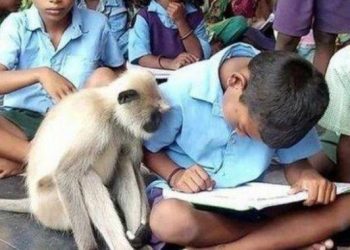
<point>22,232</point>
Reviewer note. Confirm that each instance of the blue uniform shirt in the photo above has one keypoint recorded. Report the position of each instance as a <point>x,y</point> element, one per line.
<point>194,130</point>
<point>85,45</point>
<point>117,15</point>
<point>139,36</point>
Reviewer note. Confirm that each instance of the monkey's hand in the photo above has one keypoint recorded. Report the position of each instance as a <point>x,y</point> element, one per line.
<point>192,180</point>
<point>55,84</point>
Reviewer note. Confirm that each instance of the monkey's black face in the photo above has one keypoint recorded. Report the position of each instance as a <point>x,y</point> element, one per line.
<point>154,122</point>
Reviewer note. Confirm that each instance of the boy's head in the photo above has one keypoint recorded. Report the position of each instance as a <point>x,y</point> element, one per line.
<point>278,98</point>
<point>54,10</point>
<point>9,5</point>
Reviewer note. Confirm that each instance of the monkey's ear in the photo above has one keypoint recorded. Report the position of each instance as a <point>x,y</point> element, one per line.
<point>127,96</point>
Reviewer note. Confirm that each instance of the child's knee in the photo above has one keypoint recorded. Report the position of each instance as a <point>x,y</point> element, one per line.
<point>173,221</point>
<point>100,77</point>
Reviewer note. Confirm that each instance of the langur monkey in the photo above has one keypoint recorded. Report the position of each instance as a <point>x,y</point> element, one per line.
<point>92,140</point>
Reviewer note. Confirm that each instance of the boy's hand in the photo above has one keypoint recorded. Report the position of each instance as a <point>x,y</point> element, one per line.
<point>320,190</point>
<point>183,59</point>
<point>56,85</point>
<point>192,180</point>
<point>176,11</point>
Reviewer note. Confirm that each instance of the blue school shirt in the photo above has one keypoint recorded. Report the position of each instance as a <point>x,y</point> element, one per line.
<point>194,130</point>
<point>117,15</point>
<point>139,40</point>
<point>85,45</point>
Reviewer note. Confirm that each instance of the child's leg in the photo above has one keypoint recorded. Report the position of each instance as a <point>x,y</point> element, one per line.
<point>298,228</point>
<point>13,148</point>
<point>286,42</point>
<point>178,222</point>
<point>325,48</point>
<point>102,77</point>
<point>343,152</point>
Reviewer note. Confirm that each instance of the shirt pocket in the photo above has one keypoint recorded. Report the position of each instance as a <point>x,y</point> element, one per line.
<point>78,69</point>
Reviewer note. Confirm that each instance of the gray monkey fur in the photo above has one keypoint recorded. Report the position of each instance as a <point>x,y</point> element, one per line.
<point>92,139</point>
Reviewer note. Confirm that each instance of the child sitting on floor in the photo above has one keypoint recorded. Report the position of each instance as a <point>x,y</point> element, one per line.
<point>168,35</point>
<point>227,121</point>
<point>46,53</point>
<point>117,15</point>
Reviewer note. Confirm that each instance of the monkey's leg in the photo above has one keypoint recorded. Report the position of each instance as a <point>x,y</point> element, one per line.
<point>144,199</point>
<point>69,191</point>
<point>129,198</point>
<point>102,212</point>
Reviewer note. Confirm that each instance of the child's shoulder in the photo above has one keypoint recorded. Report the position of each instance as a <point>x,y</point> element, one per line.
<point>181,82</point>
<point>91,15</point>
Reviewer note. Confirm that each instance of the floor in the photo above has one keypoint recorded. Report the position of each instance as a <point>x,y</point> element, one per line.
<point>22,232</point>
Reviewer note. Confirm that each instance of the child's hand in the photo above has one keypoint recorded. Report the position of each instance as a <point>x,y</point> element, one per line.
<point>176,11</point>
<point>320,190</point>
<point>56,85</point>
<point>192,180</point>
<point>183,59</point>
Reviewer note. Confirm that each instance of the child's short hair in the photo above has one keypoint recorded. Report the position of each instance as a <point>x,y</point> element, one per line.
<point>286,95</point>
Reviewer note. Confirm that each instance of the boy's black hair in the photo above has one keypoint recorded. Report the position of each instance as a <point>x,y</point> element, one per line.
<point>286,95</point>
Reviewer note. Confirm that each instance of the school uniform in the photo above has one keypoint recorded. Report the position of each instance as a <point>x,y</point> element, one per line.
<point>86,44</point>
<point>155,33</point>
<point>117,15</point>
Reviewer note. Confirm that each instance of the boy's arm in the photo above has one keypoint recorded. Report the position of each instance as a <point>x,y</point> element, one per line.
<point>191,180</point>
<point>56,85</point>
<point>303,177</point>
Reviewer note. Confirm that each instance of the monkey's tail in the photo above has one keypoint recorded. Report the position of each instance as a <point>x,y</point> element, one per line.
<point>17,206</point>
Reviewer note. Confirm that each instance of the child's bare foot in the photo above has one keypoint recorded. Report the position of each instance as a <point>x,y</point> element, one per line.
<point>10,168</point>
<point>324,245</point>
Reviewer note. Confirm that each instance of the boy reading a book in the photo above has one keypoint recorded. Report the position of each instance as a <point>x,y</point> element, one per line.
<point>227,121</point>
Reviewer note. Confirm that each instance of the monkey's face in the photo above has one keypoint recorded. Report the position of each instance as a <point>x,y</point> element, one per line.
<point>140,106</point>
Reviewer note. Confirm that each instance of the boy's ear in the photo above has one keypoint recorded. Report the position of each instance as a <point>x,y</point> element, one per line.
<point>237,80</point>
<point>127,96</point>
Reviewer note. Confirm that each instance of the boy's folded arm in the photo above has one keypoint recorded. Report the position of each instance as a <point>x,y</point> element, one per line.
<point>11,80</point>
<point>303,177</point>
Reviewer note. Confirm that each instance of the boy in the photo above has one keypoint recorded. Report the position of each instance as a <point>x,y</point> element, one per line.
<point>327,19</point>
<point>117,15</point>
<point>337,118</point>
<point>46,53</point>
<point>225,124</point>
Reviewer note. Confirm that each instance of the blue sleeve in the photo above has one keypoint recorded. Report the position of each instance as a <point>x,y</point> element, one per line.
<point>10,41</point>
<point>111,54</point>
<point>202,35</point>
<point>139,40</point>
<point>170,125</point>
<point>305,148</point>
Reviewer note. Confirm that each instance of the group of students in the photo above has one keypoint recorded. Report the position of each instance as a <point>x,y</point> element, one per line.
<point>230,115</point>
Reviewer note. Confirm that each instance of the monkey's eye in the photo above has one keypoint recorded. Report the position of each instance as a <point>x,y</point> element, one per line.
<point>128,96</point>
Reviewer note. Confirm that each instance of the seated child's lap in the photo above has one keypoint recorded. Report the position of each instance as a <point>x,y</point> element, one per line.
<point>26,120</point>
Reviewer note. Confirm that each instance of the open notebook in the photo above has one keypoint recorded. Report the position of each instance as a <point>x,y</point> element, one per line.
<point>253,195</point>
